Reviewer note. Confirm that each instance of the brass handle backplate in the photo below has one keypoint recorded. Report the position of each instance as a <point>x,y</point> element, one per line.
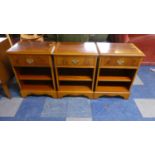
<point>120,61</point>
<point>29,60</point>
<point>75,61</point>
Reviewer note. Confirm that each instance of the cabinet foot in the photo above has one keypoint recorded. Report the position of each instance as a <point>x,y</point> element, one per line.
<point>97,95</point>
<point>88,95</point>
<point>25,94</point>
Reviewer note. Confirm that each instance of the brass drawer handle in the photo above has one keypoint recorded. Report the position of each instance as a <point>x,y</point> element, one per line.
<point>120,61</point>
<point>29,60</point>
<point>75,61</point>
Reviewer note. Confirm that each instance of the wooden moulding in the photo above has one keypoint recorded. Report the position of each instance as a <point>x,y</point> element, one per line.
<point>111,94</point>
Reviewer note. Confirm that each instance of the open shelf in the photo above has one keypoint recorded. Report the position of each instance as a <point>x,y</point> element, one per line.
<point>114,78</point>
<point>76,74</point>
<point>30,73</point>
<point>34,77</point>
<point>75,86</point>
<point>36,85</point>
<point>113,87</point>
<point>120,75</point>
<point>74,78</point>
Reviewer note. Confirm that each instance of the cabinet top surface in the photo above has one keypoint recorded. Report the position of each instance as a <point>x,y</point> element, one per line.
<point>2,39</point>
<point>119,49</point>
<point>75,48</point>
<point>30,47</point>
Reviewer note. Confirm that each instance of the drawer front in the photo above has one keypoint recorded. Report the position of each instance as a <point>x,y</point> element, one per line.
<point>120,61</point>
<point>73,61</point>
<point>30,60</point>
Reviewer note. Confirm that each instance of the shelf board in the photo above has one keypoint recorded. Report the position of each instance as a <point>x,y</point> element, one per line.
<point>76,67</point>
<point>112,89</point>
<point>74,88</point>
<point>115,78</point>
<point>34,77</point>
<point>38,87</point>
<point>75,78</point>
<point>118,67</point>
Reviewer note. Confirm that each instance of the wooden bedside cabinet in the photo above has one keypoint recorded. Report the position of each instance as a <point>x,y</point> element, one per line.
<point>33,67</point>
<point>75,66</point>
<point>118,65</point>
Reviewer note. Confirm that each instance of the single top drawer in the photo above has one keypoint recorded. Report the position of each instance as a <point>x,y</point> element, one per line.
<point>120,61</point>
<point>30,60</point>
<point>75,61</point>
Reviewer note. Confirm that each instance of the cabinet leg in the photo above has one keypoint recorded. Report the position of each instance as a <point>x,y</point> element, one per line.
<point>6,90</point>
<point>126,96</point>
<point>23,94</point>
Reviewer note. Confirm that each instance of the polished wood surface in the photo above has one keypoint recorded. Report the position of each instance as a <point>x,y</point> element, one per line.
<point>114,78</point>
<point>33,67</point>
<point>118,66</point>
<point>75,90</point>
<point>119,61</point>
<point>2,39</point>
<point>5,67</point>
<point>34,77</point>
<point>119,49</point>
<point>31,60</point>
<point>114,89</point>
<point>32,48</point>
<point>75,48</point>
<point>73,77</point>
<point>75,61</point>
<point>72,58</point>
